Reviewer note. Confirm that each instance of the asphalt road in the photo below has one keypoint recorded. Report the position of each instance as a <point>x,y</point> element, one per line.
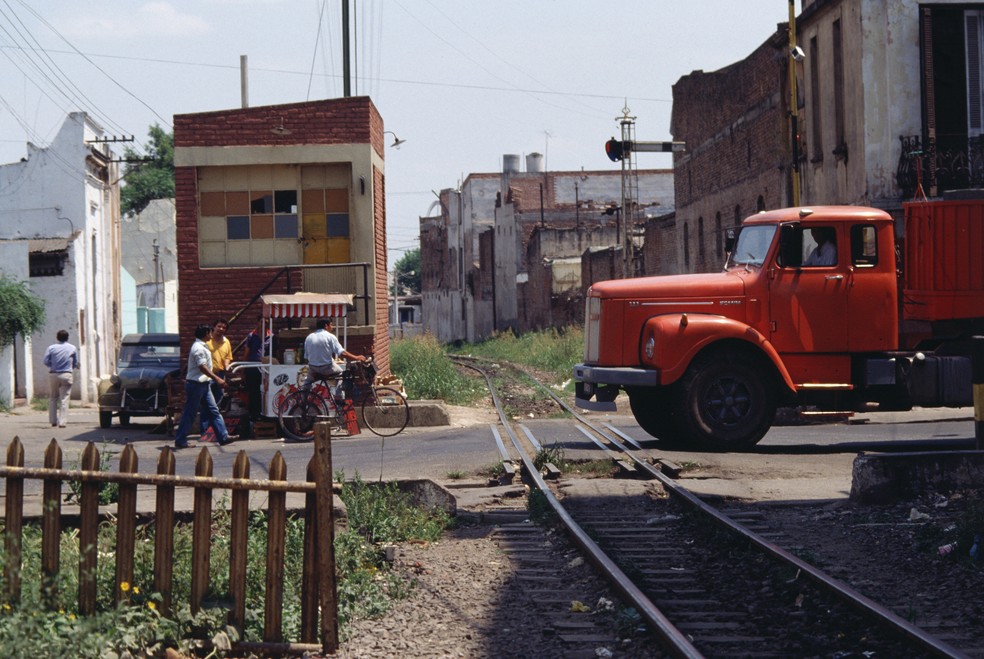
<point>800,462</point>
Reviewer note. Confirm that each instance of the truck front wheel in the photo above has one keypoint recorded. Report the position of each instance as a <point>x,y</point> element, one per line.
<point>652,410</point>
<point>727,402</point>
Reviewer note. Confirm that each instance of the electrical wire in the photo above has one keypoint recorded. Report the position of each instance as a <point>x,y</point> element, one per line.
<point>314,55</point>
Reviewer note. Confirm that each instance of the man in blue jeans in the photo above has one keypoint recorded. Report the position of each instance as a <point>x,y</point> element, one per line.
<point>198,393</point>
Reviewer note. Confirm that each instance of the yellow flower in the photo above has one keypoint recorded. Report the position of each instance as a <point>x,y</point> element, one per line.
<point>124,586</point>
<point>71,616</point>
<point>136,590</point>
<point>151,606</point>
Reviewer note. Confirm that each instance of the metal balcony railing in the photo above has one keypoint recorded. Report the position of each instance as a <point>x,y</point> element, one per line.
<point>950,163</point>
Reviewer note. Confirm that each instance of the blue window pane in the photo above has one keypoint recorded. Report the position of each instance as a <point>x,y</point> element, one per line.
<point>285,201</point>
<point>237,227</point>
<point>285,226</point>
<point>338,225</point>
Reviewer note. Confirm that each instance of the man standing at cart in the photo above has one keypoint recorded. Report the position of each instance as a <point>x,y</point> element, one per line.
<point>198,394</point>
<point>321,347</point>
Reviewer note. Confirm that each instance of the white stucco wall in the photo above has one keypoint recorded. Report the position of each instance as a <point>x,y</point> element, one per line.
<point>64,191</point>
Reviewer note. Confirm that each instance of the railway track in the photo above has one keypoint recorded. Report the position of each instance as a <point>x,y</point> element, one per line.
<point>705,583</point>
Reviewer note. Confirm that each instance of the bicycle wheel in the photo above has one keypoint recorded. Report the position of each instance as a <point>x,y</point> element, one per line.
<point>385,411</point>
<point>298,414</point>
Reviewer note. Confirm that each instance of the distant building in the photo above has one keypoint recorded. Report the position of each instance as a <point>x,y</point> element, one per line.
<point>150,257</point>
<point>486,260</point>
<point>60,231</point>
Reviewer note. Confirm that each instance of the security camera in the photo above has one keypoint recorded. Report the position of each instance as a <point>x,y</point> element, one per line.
<point>797,54</point>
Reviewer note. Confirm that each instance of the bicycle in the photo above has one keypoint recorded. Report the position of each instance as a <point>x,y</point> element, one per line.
<point>385,410</point>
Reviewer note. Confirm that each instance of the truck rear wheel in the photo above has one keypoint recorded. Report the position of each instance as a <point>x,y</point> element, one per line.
<point>653,411</point>
<point>105,419</point>
<point>727,402</point>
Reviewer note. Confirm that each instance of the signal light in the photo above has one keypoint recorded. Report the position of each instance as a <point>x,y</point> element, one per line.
<point>614,149</point>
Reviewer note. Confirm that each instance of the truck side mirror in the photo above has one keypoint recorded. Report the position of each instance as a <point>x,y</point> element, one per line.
<point>730,238</point>
<point>790,245</point>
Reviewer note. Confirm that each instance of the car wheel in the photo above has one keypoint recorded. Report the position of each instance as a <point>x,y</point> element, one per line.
<point>124,419</point>
<point>105,419</point>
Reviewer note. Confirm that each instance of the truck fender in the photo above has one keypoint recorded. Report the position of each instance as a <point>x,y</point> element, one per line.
<point>679,337</point>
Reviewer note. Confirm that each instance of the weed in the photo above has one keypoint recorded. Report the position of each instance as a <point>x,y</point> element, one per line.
<point>455,475</point>
<point>599,468</point>
<point>554,350</point>
<point>39,404</point>
<point>427,372</point>
<point>108,492</point>
<point>494,470</point>
<point>551,455</point>
<point>538,506</point>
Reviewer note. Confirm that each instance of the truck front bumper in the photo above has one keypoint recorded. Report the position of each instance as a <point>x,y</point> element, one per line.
<point>603,382</point>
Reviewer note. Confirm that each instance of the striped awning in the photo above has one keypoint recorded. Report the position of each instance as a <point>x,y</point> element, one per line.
<point>307,305</point>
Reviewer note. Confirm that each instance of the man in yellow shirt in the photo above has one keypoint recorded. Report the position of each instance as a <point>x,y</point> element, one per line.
<point>221,350</point>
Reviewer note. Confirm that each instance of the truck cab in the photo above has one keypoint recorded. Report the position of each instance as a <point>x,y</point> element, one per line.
<point>805,311</point>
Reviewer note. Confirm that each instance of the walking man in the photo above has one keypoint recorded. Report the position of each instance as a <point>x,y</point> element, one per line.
<point>61,359</point>
<point>198,393</point>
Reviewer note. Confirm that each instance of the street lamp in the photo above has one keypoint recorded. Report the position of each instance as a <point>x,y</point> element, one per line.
<point>396,140</point>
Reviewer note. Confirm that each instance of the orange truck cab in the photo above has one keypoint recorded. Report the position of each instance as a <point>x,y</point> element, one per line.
<point>813,307</point>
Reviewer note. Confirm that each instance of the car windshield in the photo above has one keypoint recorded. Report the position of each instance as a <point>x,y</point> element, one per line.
<point>752,246</point>
<point>149,354</point>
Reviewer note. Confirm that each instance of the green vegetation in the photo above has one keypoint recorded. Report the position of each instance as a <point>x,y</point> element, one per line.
<point>23,311</point>
<point>554,351</point>
<point>427,373</point>
<point>366,586</point>
<point>406,272</point>
<point>39,404</point>
<point>151,179</point>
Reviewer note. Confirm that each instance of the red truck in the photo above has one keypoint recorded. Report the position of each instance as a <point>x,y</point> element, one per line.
<point>815,307</point>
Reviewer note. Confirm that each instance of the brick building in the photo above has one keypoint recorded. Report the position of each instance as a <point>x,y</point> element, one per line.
<point>477,272</point>
<point>282,199</point>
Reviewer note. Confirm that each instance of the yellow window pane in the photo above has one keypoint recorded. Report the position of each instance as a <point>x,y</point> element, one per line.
<point>315,250</point>
<point>338,250</point>
<point>211,179</point>
<point>314,225</point>
<point>236,178</point>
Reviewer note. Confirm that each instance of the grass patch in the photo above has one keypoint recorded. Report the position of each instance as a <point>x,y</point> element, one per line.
<point>427,372</point>
<point>554,351</point>
<point>455,475</point>
<point>46,622</point>
<point>39,404</point>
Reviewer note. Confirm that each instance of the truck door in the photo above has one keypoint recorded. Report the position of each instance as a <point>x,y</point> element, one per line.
<point>808,300</point>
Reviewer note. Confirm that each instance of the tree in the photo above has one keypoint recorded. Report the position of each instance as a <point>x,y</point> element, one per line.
<point>406,271</point>
<point>23,311</point>
<point>146,180</point>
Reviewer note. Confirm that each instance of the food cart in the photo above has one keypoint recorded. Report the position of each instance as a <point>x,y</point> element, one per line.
<point>284,371</point>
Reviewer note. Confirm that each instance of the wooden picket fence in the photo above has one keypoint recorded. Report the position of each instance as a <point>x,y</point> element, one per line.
<point>318,591</point>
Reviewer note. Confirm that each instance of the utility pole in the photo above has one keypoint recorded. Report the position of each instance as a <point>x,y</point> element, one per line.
<point>795,55</point>
<point>622,151</point>
<point>346,62</point>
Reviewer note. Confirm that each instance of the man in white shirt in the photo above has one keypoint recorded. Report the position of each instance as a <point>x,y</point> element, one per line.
<point>321,347</point>
<point>198,393</point>
<point>825,253</point>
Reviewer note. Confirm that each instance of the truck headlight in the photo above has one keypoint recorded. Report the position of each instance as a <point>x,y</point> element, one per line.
<point>650,346</point>
<point>592,330</point>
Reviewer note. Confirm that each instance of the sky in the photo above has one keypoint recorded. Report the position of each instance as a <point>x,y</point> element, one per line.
<point>463,82</point>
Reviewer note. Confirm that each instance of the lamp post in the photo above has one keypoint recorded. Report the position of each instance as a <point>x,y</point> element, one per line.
<point>396,140</point>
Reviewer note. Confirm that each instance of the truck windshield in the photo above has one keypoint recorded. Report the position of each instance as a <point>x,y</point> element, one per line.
<point>146,354</point>
<point>752,246</point>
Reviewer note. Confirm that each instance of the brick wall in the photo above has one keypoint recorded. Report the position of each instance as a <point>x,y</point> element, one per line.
<point>734,123</point>
<point>205,295</point>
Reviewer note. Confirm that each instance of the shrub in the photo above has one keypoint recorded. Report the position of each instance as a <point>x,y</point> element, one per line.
<point>428,373</point>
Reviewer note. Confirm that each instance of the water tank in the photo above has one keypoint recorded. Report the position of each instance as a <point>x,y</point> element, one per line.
<point>510,163</point>
<point>534,163</point>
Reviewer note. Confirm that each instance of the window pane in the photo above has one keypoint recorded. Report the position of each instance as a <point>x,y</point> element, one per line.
<point>336,201</point>
<point>864,246</point>
<point>212,203</point>
<point>237,227</point>
<point>261,202</point>
<point>285,201</point>
<point>286,226</point>
<point>261,226</point>
<point>338,225</point>
<point>237,203</point>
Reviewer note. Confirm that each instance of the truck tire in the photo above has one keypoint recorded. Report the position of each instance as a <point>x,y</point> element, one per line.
<point>727,402</point>
<point>653,411</point>
<point>125,419</point>
<point>105,419</point>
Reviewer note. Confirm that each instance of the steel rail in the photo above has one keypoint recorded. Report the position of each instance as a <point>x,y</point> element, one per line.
<point>677,643</point>
<point>845,592</point>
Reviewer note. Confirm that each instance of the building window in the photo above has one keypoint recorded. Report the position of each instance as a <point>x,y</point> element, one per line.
<point>686,245</point>
<point>840,149</point>
<point>718,236</point>
<point>815,98</point>
<point>47,264</point>
<point>273,215</point>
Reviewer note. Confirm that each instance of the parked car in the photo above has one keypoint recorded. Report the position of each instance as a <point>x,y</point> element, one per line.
<point>138,388</point>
